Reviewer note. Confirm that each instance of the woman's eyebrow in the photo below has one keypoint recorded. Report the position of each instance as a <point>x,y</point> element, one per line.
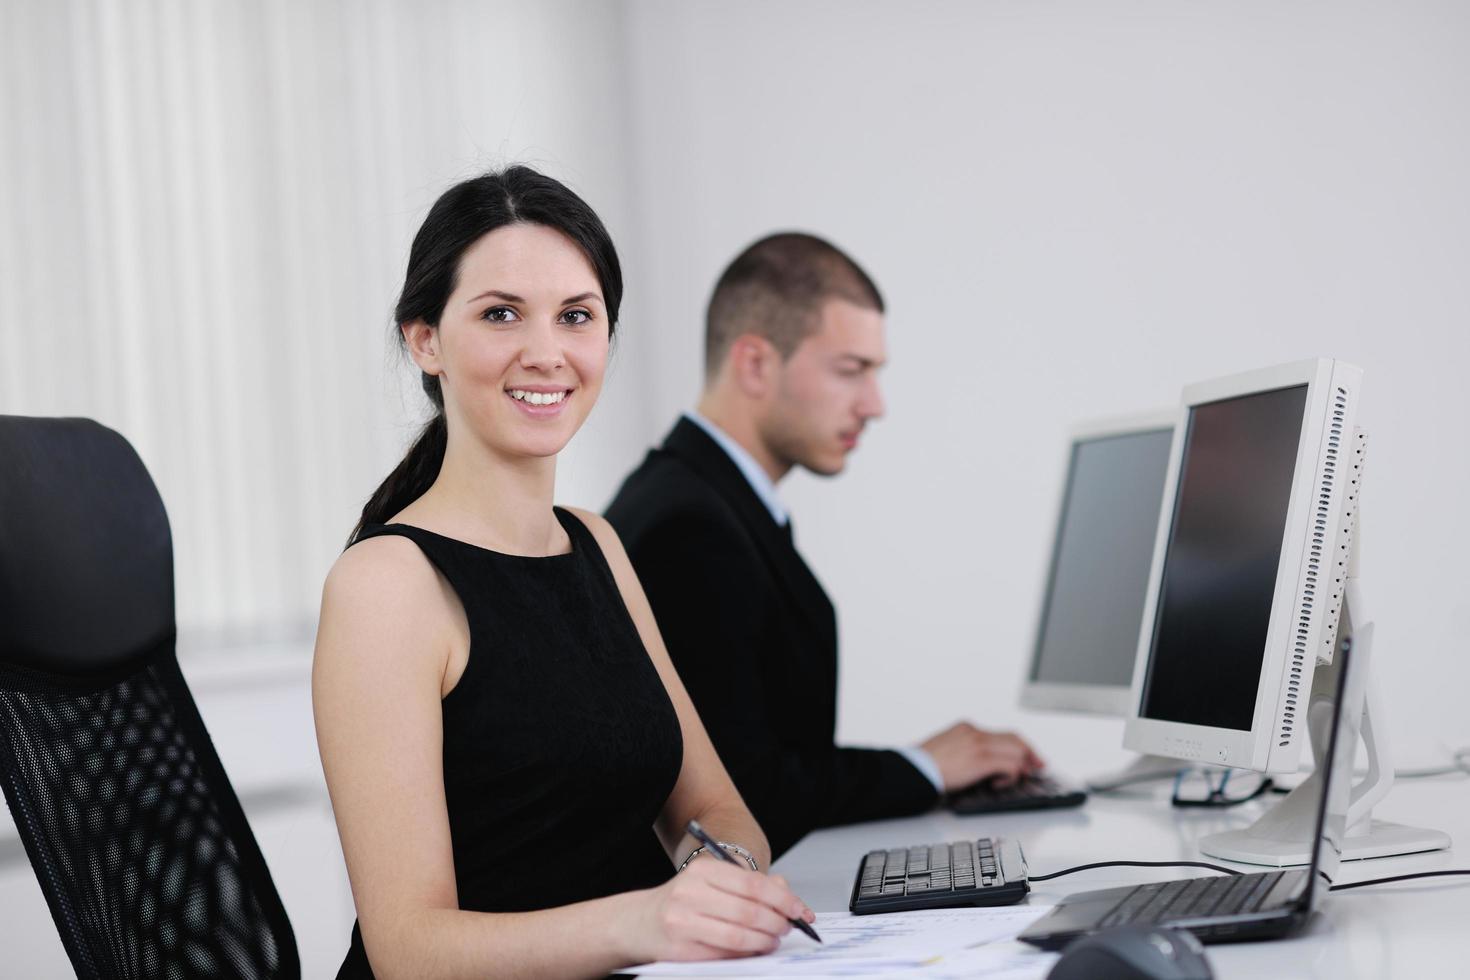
<point>508,297</point>
<point>513,298</point>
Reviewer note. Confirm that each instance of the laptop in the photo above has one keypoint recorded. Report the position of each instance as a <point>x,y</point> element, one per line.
<point>1262,905</point>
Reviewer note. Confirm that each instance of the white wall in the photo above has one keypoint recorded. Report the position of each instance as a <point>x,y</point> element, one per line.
<point>1074,209</point>
<point>204,221</point>
<point>205,214</point>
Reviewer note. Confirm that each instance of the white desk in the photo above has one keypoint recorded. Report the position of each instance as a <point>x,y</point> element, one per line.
<point>1412,929</point>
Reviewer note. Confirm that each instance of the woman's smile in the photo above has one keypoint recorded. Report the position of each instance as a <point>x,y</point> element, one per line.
<point>540,401</point>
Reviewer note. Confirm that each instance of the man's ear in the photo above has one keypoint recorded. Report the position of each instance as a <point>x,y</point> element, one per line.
<point>754,363</point>
<point>423,345</point>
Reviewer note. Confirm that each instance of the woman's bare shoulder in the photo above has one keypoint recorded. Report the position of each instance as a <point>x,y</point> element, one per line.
<point>378,569</point>
<point>383,598</point>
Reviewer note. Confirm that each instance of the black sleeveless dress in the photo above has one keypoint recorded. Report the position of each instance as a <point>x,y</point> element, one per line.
<point>560,743</point>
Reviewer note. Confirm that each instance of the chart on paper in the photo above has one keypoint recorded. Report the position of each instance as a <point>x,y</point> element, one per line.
<point>868,944</point>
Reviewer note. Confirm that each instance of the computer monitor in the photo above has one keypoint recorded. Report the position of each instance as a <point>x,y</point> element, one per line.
<point>1087,631</point>
<point>1252,576</point>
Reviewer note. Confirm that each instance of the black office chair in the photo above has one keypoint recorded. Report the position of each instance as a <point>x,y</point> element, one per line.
<point>132,828</point>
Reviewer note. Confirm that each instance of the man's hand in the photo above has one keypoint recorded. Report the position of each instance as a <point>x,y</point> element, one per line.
<point>966,754</point>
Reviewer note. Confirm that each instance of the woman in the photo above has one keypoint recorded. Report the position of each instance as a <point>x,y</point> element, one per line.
<point>510,755</point>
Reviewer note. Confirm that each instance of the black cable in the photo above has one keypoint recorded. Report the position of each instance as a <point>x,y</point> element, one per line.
<point>1135,864</point>
<point>1384,881</point>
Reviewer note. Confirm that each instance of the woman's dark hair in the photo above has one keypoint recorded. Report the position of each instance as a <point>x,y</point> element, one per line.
<point>462,216</point>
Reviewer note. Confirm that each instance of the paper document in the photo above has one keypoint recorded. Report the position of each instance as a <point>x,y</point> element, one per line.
<point>1006,960</point>
<point>869,945</point>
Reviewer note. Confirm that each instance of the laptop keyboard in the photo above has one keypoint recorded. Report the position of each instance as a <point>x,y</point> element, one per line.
<point>1192,898</point>
<point>940,876</point>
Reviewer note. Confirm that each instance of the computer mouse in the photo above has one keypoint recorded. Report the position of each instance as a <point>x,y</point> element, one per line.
<point>1134,953</point>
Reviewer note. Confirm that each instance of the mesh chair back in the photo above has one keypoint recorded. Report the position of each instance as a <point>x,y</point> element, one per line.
<point>131,825</point>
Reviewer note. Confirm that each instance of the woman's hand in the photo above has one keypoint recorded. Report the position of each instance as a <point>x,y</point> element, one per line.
<point>713,910</point>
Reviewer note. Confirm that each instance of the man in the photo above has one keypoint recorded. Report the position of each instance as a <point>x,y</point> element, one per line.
<point>793,345</point>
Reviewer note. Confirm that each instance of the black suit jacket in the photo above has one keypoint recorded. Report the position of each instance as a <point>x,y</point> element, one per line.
<point>754,639</point>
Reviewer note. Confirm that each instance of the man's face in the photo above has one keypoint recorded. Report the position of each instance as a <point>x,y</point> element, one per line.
<point>827,390</point>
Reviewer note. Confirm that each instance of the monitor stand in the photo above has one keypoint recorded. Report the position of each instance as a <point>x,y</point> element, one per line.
<point>1286,834</point>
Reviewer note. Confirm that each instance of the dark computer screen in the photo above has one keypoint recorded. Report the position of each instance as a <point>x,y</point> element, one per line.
<point>1223,549</point>
<point>1100,560</point>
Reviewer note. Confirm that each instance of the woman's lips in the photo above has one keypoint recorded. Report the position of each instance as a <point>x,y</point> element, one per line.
<point>526,400</point>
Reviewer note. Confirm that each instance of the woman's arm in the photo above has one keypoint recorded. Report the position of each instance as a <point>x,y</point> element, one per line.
<point>385,654</point>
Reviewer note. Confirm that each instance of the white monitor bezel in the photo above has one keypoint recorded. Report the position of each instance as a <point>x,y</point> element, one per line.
<point>1274,741</point>
<point>1097,699</point>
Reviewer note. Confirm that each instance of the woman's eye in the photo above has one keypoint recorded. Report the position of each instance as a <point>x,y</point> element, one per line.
<point>499,314</point>
<point>576,316</point>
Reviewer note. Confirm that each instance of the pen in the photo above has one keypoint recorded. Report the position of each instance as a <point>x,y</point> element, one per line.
<point>713,847</point>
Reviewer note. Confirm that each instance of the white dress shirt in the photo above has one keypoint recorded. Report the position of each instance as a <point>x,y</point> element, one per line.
<point>759,480</point>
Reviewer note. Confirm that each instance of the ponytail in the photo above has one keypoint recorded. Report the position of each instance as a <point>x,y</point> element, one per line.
<point>410,479</point>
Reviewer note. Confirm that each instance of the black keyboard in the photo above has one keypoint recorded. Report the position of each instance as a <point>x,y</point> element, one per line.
<point>1029,793</point>
<point>1191,898</point>
<point>1264,905</point>
<point>988,871</point>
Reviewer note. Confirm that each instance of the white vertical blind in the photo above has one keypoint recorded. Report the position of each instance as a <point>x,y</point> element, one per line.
<point>205,210</point>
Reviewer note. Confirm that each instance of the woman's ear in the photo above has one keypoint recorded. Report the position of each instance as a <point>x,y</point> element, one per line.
<point>423,345</point>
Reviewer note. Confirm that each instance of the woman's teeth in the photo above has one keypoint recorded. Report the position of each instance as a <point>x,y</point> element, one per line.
<point>538,397</point>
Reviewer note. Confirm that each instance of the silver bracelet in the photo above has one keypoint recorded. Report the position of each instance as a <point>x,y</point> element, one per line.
<point>732,848</point>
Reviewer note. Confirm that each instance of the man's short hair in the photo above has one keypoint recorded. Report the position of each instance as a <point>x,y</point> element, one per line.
<point>776,289</point>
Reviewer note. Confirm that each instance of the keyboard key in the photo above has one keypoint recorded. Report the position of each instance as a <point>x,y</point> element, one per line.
<point>1205,898</point>
<point>1155,910</point>
<point>1260,891</point>
<point>1183,900</point>
<point>1127,909</point>
<point>1237,887</point>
